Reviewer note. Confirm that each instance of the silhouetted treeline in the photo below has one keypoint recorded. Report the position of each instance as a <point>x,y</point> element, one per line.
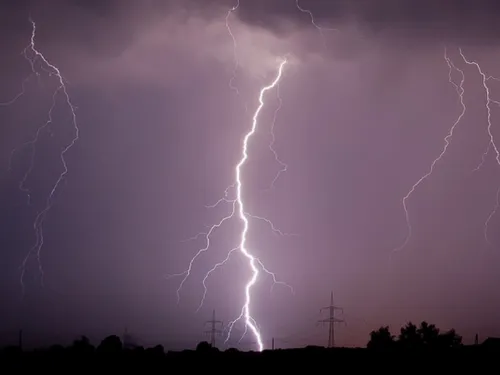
<point>424,337</point>
<point>415,348</point>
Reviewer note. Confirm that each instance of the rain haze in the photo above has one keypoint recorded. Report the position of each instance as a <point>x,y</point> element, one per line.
<point>163,98</point>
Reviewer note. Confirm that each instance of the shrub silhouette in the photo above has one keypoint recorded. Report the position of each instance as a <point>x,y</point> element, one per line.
<point>111,344</point>
<point>203,347</point>
<point>382,339</point>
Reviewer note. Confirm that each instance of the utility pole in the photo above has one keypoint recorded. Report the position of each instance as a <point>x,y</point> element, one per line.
<point>331,320</point>
<point>214,331</point>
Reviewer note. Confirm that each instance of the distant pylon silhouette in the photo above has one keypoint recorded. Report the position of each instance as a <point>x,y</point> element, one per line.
<point>214,331</point>
<point>331,320</point>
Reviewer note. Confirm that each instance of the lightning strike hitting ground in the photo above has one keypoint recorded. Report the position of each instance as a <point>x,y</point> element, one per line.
<point>492,141</point>
<point>460,91</point>
<point>33,55</point>
<point>245,312</point>
<point>238,210</point>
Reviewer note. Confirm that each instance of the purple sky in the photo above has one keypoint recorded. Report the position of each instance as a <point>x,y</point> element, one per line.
<point>364,113</point>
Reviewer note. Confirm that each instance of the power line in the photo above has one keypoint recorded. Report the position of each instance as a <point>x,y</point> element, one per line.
<point>331,320</point>
<point>214,331</point>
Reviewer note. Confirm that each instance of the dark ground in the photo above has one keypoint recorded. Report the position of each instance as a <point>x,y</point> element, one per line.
<point>81,358</point>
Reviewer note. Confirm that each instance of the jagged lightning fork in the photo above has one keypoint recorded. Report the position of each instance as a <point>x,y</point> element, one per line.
<point>245,312</point>
<point>492,142</point>
<point>460,91</point>
<point>40,218</point>
<point>488,148</point>
<point>237,207</point>
<point>32,143</point>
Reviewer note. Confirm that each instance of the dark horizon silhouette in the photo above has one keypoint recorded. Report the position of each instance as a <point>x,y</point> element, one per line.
<point>424,343</point>
<point>410,337</point>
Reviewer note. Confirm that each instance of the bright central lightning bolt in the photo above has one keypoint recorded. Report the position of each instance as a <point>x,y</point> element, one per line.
<point>239,210</point>
<point>245,313</point>
<point>33,55</point>
<point>460,91</point>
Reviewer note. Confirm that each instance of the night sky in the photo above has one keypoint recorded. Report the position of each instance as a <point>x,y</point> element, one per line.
<point>365,109</point>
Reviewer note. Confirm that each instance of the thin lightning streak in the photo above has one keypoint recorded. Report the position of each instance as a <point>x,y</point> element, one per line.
<point>194,238</point>
<point>235,47</point>
<point>284,167</point>
<point>18,95</point>
<point>224,199</point>
<point>25,81</point>
<point>270,223</point>
<point>492,142</point>
<point>488,148</point>
<point>488,103</point>
<point>490,216</point>
<point>32,144</point>
<point>321,29</point>
<point>40,218</point>
<point>483,158</point>
<point>217,265</point>
<point>187,272</point>
<point>460,91</point>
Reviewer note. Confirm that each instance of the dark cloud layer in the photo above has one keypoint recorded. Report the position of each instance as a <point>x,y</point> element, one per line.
<point>469,21</point>
<point>116,23</point>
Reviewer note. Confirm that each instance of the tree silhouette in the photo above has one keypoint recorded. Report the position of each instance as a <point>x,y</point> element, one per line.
<point>450,339</point>
<point>82,345</point>
<point>203,347</point>
<point>409,336</point>
<point>429,334</point>
<point>381,339</point>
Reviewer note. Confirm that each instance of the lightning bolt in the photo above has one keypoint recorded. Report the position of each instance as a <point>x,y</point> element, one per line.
<point>460,91</point>
<point>32,55</point>
<point>245,312</point>
<point>238,210</point>
<point>492,142</point>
